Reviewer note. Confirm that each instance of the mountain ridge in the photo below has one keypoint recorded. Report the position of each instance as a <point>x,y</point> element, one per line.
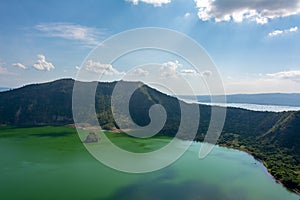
<point>270,137</point>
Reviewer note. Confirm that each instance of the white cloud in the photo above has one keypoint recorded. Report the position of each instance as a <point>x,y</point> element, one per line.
<point>187,15</point>
<point>42,64</point>
<point>77,68</point>
<point>280,32</point>
<point>19,65</point>
<point>276,32</point>
<point>293,29</point>
<point>101,68</point>
<point>140,72</point>
<point>195,73</point>
<point>290,75</point>
<point>189,71</point>
<point>155,3</point>
<point>84,34</point>
<point>206,73</point>
<point>260,11</point>
<point>169,69</point>
<point>283,82</point>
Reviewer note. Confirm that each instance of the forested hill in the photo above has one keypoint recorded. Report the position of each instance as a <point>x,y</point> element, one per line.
<point>271,137</point>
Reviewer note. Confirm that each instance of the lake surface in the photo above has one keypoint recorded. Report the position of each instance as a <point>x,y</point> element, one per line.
<point>51,163</point>
<point>249,106</point>
<point>255,107</point>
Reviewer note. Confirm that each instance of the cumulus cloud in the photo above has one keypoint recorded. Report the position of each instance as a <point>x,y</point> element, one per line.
<point>293,29</point>
<point>206,73</point>
<point>275,33</point>
<point>188,71</point>
<point>140,72</point>
<point>290,75</point>
<point>84,34</point>
<point>195,73</point>
<point>77,68</point>
<point>101,68</point>
<point>260,11</point>
<point>155,3</point>
<point>187,15</point>
<point>280,32</point>
<point>169,69</point>
<point>19,65</point>
<point>42,64</point>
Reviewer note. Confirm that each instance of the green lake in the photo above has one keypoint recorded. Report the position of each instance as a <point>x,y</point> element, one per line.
<point>52,163</point>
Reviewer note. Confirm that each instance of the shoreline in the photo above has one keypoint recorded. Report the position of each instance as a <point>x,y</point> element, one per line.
<point>243,150</point>
<point>118,131</point>
<point>264,164</point>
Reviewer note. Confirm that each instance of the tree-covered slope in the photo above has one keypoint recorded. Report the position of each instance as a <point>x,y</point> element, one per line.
<point>269,136</point>
<point>38,104</point>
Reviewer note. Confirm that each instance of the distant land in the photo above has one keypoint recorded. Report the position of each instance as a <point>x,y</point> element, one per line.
<point>281,99</point>
<point>2,89</point>
<point>270,137</point>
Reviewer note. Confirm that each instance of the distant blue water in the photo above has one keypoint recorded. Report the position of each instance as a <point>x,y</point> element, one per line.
<point>250,106</point>
<point>280,99</point>
<point>255,107</point>
<point>273,102</point>
<point>2,89</point>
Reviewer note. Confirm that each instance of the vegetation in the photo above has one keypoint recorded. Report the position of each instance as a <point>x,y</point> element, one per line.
<point>271,137</point>
<point>281,160</point>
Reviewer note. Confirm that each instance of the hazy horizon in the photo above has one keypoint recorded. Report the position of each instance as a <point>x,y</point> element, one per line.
<point>20,86</point>
<point>254,51</point>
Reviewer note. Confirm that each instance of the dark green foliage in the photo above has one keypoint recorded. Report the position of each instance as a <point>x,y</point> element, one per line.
<point>38,104</point>
<point>277,147</point>
<point>270,137</point>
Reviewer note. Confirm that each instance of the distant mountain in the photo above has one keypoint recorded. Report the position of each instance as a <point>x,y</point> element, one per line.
<point>282,99</point>
<point>2,89</point>
<point>272,137</point>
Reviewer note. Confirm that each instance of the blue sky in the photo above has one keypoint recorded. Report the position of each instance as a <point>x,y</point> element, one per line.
<point>255,44</point>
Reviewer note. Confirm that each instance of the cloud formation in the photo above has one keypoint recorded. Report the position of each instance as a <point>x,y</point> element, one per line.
<point>169,69</point>
<point>77,68</point>
<point>189,71</point>
<point>101,68</point>
<point>280,32</point>
<point>70,31</point>
<point>19,65</point>
<point>187,15</point>
<point>42,64</point>
<point>260,11</point>
<point>155,3</point>
<point>289,75</point>
<point>195,73</point>
<point>140,72</point>
<point>206,73</point>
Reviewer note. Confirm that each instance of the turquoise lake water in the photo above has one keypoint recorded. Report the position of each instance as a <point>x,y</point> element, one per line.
<point>46,166</point>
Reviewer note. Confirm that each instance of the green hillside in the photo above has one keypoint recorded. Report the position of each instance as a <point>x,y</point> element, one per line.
<point>270,137</point>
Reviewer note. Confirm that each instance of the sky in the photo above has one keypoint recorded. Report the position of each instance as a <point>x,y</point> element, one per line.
<point>254,44</point>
